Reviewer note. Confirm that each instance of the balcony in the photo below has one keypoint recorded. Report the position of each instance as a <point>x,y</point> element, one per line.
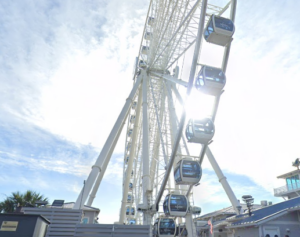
<point>285,190</point>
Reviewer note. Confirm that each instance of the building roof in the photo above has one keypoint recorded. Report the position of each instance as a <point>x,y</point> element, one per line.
<point>85,208</point>
<point>15,214</point>
<point>289,174</point>
<point>265,214</point>
<point>226,211</point>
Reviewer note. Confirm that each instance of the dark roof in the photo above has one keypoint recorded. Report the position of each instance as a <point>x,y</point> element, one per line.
<point>225,211</point>
<point>265,213</point>
<point>22,214</point>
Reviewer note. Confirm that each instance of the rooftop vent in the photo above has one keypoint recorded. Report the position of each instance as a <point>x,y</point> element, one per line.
<point>264,203</point>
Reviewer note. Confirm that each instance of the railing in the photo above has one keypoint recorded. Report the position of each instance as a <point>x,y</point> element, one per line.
<point>66,223</point>
<point>107,230</point>
<point>284,190</point>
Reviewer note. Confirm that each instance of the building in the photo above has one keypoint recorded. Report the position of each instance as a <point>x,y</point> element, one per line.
<point>266,220</point>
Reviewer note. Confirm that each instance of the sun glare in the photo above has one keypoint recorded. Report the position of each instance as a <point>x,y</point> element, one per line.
<point>199,105</point>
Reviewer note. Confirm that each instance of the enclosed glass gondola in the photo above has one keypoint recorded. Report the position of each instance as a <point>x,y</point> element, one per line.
<point>130,186</point>
<point>164,227</point>
<point>130,211</point>
<point>175,205</point>
<point>126,160</point>
<point>130,198</point>
<point>187,171</point>
<point>134,105</point>
<point>200,131</point>
<point>148,35</point>
<point>132,118</point>
<point>129,133</point>
<point>132,221</point>
<point>195,210</point>
<point>142,64</point>
<point>219,30</point>
<point>145,50</point>
<point>128,147</point>
<point>151,20</point>
<point>210,80</point>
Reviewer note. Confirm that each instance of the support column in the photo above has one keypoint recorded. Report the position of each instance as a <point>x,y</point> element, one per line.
<point>190,226</point>
<point>131,158</point>
<point>145,152</point>
<point>234,202</point>
<point>100,176</point>
<point>98,167</point>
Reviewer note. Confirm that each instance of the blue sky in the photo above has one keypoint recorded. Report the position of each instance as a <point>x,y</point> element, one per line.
<point>66,70</point>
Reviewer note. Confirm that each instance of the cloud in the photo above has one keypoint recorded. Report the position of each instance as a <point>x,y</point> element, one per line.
<point>35,42</point>
<point>26,145</point>
<point>211,196</point>
<point>114,172</point>
<point>43,56</point>
<point>66,70</point>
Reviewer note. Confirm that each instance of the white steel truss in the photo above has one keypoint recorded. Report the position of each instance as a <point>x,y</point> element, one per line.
<point>153,144</point>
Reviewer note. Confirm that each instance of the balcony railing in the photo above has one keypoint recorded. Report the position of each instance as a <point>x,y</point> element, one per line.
<point>284,190</point>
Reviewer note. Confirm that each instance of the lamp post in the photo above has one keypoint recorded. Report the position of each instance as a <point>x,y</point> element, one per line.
<point>248,199</point>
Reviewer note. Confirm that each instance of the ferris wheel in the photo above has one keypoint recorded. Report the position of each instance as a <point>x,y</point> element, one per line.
<point>159,171</point>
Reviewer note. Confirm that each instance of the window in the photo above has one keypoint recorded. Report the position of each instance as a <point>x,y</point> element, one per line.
<point>177,174</point>
<point>214,74</point>
<point>293,182</point>
<point>178,203</point>
<point>223,23</point>
<point>190,169</point>
<point>166,205</point>
<point>209,29</point>
<point>85,220</point>
<point>167,227</point>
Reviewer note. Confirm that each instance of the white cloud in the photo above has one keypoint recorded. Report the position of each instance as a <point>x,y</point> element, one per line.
<point>66,66</point>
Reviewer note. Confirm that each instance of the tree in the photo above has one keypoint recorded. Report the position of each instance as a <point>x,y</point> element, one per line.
<point>20,199</point>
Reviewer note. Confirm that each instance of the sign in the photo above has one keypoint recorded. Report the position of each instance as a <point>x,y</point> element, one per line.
<point>9,226</point>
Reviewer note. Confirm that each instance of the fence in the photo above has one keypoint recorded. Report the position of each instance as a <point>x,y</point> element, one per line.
<point>102,230</point>
<point>63,221</point>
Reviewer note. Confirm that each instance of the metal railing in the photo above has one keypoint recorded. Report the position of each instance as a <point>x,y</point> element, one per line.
<point>285,189</point>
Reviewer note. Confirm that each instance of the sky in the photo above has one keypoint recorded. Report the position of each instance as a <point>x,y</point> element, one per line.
<point>66,71</point>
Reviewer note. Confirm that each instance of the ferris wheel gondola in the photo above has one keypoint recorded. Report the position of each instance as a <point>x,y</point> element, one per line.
<point>151,21</point>
<point>130,186</point>
<point>164,227</point>
<point>131,221</point>
<point>175,205</point>
<point>130,211</point>
<point>148,35</point>
<point>145,49</point>
<point>134,105</point>
<point>200,131</point>
<point>130,198</point>
<point>210,80</point>
<point>142,64</point>
<point>219,30</point>
<point>187,171</point>
<point>129,133</point>
<point>132,118</point>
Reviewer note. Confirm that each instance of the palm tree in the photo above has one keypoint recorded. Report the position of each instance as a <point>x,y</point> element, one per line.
<point>20,199</point>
